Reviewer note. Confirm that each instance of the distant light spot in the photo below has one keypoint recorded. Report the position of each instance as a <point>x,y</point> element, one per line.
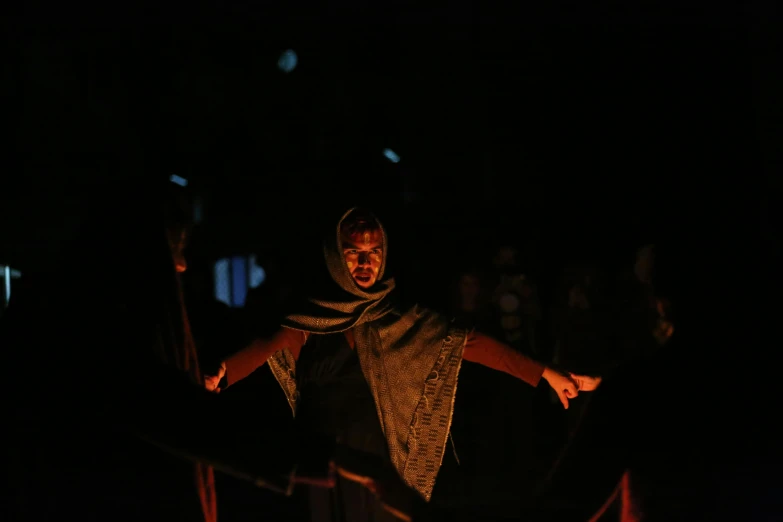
<point>7,283</point>
<point>391,155</point>
<point>179,180</point>
<point>223,281</point>
<point>257,273</point>
<point>287,61</point>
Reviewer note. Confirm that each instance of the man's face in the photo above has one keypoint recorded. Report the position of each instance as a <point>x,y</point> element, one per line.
<point>506,256</point>
<point>363,256</point>
<point>469,286</point>
<point>645,260</point>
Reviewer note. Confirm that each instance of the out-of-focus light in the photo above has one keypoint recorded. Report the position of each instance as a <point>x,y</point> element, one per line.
<point>179,180</point>
<point>7,279</point>
<point>391,155</point>
<point>287,61</point>
<point>509,303</point>
<point>234,276</point>
<point>198,211</point>
<point>223,281</point>
<point>238,281</point>
<point>257,273</point>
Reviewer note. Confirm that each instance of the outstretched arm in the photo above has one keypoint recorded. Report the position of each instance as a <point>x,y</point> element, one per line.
<point>247,360</point>
<point>485,350</point>
<point>491,353</point>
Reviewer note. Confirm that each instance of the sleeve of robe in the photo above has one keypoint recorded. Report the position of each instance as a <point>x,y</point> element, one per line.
<point>491,353</point>
<point>255,355</point>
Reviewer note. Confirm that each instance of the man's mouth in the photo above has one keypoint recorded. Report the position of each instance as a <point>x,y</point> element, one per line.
<point>363,277</point>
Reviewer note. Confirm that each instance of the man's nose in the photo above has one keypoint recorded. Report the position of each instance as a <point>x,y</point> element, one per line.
<point>364,259</point>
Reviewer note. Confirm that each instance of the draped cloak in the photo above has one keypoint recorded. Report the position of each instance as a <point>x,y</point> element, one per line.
<point>410,358</point>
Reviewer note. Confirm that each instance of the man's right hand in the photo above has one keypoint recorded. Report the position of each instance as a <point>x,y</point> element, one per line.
<point>212,382</point>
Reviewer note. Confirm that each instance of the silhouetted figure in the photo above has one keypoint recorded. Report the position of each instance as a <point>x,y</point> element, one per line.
<point>516,302</point>
<point>105,404</point>
<point>470,299</point>
<point>669,432</point>
<point>580,317</point>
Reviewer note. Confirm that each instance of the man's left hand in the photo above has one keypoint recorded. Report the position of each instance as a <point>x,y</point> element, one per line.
<point>585,383</point>
<point>565,387</point>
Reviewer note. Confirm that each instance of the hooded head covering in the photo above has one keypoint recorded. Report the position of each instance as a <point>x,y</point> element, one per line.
<point>410,358</point>
<point>344,304</point>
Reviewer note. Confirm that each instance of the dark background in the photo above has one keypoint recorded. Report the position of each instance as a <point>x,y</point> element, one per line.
<point>548,124</point>
<point>559,127</point>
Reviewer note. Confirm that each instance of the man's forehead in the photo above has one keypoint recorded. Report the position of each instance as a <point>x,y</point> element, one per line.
<point>362,238</point>
<point>371,243</point>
